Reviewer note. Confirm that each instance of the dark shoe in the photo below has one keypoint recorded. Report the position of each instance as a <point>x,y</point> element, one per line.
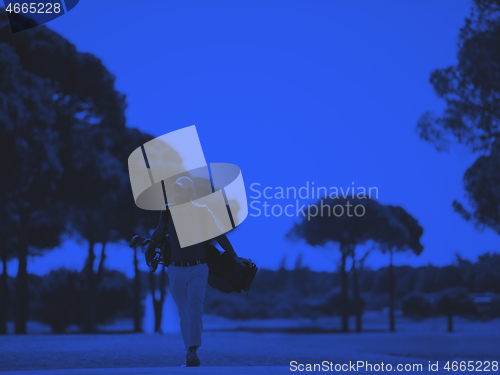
<point>192,359</point>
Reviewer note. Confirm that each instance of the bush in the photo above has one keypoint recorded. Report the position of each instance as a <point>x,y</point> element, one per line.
<point>376,301</point>
<point>283,310</point>
<point>114,297</point>
<point>495,307</point>
<point>416,306</point>
<point>455,301</point>
<point>62,298</point>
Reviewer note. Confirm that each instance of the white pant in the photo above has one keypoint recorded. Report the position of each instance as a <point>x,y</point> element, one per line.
<point>188,286</point>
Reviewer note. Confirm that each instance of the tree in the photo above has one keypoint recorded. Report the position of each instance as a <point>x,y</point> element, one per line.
<point>93,201</point>
<point>8,241</point>
<point>471,88</point>
<point>357,303</point>
<point>158,302</point>
<point>348,231</point>
<point>455,301</point>
<point>78,147</point>
<point>131,220</point>
<point>482,276</point>
<point>134,220</point>
<point>300,276</point>
<point>29,168</point>
<point>481,182</point>
<point>399,240</point>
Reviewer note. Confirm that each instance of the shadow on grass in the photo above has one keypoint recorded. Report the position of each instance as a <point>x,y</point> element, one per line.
<point>302,330</point>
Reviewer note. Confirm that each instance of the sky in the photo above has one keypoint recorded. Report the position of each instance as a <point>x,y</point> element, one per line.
<point>294,93</point>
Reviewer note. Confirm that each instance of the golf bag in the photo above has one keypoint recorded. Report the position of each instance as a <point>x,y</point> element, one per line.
<point>225,274</point>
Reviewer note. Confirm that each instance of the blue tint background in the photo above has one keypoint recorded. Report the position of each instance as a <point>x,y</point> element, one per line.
<point>291,91</point>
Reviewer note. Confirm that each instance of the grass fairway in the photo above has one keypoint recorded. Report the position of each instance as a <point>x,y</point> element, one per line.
<point>44,351</point>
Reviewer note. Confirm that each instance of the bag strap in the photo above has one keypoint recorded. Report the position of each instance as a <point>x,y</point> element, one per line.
<point>165,217</point>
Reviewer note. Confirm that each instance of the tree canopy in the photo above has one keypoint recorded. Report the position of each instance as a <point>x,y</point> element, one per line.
<point>471,88</point>
<point>63,151</point>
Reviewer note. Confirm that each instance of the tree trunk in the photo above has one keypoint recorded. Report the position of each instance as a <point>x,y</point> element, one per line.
<point>357,298</point>
<point>345,299</point>
<point>137,294</point>
<point>89,323</point>
<point>450,323</point>
<point>4,295</point>
<point>156,304</point>
<point>162,299</point>
<point>163,293</point>
<point>392,327</point>
<point>100,269</point>
<point>22,289</point>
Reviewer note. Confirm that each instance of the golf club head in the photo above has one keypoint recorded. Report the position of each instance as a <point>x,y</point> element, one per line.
<point>134,241</point>
<point>147,241</point>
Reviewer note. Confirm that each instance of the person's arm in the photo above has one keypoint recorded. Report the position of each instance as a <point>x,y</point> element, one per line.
<point>228,248</point>
<point>217,234</point>
<point>209,222</point>
<point>160,232</point>
<point>158,237</point>
<point>226,245</point>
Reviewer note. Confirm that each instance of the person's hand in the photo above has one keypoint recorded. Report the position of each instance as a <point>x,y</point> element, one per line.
<point>242,261</point>
<point>151,257</point>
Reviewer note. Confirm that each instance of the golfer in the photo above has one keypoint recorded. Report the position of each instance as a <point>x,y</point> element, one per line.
<point>188,270</point>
